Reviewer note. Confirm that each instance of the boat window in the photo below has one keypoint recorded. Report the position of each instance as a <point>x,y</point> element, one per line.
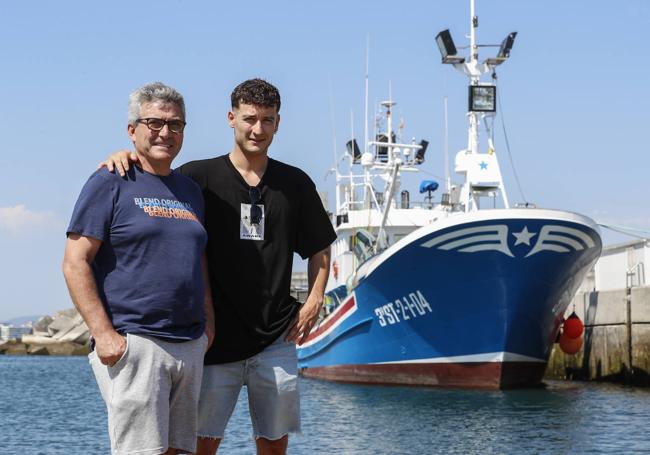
<point>398,237</point>
<point>380,198</point>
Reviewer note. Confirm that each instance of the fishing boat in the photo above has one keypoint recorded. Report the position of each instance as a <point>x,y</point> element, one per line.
<point>450,292</point>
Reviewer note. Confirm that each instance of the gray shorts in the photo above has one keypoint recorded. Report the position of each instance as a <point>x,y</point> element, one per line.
<point>271,378</point>
<point>151,394</point>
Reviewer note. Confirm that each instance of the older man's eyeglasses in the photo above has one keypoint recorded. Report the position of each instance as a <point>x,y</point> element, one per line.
<point>157,124</point>
<point>256,210</point>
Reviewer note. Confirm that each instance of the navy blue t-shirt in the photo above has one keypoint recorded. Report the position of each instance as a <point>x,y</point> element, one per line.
<point>148,268</point>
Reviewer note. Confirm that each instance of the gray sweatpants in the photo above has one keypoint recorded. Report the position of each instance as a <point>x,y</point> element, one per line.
<point>151,395</point>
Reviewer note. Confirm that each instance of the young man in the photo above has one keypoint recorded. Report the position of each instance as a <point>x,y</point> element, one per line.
<point>134,268</point>
<point>259,211</point>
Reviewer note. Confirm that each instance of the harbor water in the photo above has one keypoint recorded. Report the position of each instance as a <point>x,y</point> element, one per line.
<point>51,405</point>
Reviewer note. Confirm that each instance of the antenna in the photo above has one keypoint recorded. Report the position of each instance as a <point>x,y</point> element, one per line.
<point>351,125</point>
<point>447,179</point>
<point>336,160</point>
<point>472,27</point>
<point>365,116</point>
<point>352,160</point>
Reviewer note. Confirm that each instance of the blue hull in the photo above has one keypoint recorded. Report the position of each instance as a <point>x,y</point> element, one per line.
<point>473,304</point>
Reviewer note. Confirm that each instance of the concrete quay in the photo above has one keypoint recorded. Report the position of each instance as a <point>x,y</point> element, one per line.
<point>63,334</point>
<point>616,339</point>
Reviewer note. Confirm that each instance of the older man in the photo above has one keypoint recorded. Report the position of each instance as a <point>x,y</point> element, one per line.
<point>134,269</point>
<point>259,211</point>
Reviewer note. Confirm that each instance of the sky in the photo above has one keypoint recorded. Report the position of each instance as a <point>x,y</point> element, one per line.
<point>573,97</point>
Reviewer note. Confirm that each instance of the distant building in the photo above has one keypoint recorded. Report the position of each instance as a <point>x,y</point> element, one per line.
<point>619,266</point>
<point>9,332</point>
<point>299,285</point>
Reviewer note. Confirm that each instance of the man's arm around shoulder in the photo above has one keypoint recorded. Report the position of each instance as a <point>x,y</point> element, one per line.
<point>119,161</point>
<point>79,254</point>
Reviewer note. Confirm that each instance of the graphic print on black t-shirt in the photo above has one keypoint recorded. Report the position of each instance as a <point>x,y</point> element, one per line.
<point>247,229</point>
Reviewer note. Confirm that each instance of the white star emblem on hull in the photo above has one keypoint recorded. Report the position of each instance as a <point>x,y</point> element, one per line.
<point>524,236</point>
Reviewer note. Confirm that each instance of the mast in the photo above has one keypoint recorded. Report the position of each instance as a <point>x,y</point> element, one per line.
<point>447,178</point>
<point>482,173</point>
<point>337,175</point>
<point>394,162</point>
<point>474,79</point>
<point>365,114</point>
<point>351,190</point>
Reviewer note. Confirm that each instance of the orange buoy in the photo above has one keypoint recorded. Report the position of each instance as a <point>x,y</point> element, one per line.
<point>573,326</point>
<point>570,345</point>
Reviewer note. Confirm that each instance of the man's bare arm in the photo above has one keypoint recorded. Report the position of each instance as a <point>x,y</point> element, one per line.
<point>317,274</point>
<point>79,254</point>
<point>119,161</point>
<point>209,308</point>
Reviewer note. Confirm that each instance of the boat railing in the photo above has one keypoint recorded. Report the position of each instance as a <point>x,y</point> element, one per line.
<point>362,203</point>
<point>407,153</point>
<point>403,157</point>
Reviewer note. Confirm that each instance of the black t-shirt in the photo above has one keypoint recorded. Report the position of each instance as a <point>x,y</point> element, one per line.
<point>251,262</point>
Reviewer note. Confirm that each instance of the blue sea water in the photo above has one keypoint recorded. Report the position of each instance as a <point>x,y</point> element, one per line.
<point>51,405</point>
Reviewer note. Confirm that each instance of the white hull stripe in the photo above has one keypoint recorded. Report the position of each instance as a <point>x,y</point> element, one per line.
<point>487,357</point>
<point>340,315</point>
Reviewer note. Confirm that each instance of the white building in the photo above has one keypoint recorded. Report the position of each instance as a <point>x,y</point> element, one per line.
<point>299,285</point>
<point>620,266</point>
<point>8,332</point>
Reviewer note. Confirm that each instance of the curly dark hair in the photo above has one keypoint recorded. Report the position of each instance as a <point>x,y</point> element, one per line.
<point>257,92</point>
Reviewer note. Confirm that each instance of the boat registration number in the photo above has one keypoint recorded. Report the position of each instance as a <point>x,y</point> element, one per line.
<point>408,307</point>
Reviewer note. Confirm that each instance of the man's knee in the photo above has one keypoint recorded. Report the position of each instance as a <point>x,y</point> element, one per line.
<point>207,446</point>
<point>268,447</point>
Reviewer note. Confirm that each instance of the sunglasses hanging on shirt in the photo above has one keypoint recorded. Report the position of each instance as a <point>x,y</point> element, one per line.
<point>256,210</point>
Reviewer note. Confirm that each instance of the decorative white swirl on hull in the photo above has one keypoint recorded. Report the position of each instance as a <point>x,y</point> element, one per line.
<point>496,236</point>
<point>560,234</point>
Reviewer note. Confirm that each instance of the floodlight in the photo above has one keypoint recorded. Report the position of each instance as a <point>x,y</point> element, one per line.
<point>353,150</point>
<point>504,50</point>
<point>506,45</point>
<point>447,48</point>
<point>419,155</point>
<point>382,151</point>
<point>482,98</point>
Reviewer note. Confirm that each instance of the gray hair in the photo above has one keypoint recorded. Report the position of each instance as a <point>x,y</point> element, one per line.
<point>152,93</point>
